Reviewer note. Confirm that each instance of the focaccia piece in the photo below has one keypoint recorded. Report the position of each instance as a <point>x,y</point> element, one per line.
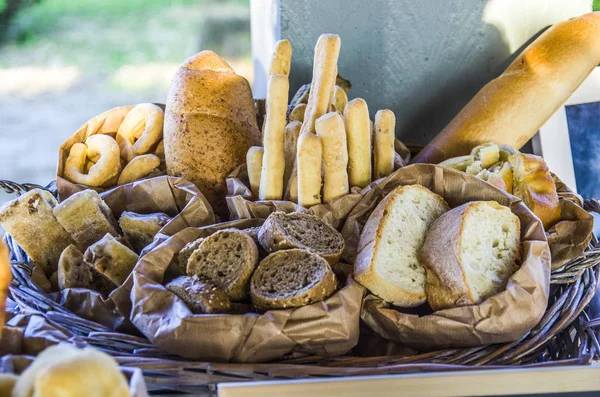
<point>140,229</point>
<point>74,272</point>
<point>111,258</point>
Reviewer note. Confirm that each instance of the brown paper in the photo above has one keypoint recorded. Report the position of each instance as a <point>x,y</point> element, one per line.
<point>107,123</point>
<point>325,328</point>
<point>29,335</point>
<point>505,317</point>
<point>572,235</point>
<point>174,196</point>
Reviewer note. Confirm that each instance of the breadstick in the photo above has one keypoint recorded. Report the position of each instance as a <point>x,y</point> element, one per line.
<point>254,159</point>
<point>138,168</point>
<point>340,98</point>
<point>330,128</point>
<point>291,192</point>
<point>281,59</point>
<point>308,166</point>
<point>292,130</point>
<point>383,147</point>
<point>327,52</point>
<point>273,165</point>
<point>297,113</point>
<point>358,131</point>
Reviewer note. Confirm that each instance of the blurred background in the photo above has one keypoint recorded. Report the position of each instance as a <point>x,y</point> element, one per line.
<point>64,61</point>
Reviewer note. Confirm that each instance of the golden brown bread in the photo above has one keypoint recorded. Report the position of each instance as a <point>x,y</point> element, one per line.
<point>5,279</point>
<point>511,108</point>
<point>533,184</point>
<point>210,123</point>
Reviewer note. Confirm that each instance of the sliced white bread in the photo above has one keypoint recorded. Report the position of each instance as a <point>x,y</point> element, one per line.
<point>470,253</point>
<point>291,278</point>
<point>388,263</point>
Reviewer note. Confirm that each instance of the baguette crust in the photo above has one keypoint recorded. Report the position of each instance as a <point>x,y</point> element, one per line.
<point>254,159</point>
<point>308,170</point>
<point>383,145</point>
<point>330,128</point>
<point>358,130</point>
<point>512,108</point>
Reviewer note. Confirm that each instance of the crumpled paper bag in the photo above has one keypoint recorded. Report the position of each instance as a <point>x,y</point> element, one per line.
<point>324,328</point>
<point>505,317</point>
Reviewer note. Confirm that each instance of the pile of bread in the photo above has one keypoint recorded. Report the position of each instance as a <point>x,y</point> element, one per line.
<point>285,263</point>
<point>415,249</point>
<point>328,145</point>
<point>524,175</point>
<point>78,243</point>
<point>66,371</point>
<point>133,151</point>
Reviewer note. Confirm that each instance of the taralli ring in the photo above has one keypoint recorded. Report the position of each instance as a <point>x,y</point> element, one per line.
<point>138,168</point>
<point>101,149</point>
<point>141,130</point>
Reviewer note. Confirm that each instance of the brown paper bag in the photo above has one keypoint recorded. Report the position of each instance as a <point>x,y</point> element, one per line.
<point>324,328</point>
<point>174,196</point>
<point>30,335</point>
<point>241,204</point>
<point>107,123</point>
<point>505,317</point>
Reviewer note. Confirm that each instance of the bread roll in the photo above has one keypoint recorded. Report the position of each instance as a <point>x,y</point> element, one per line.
<point>273,166</point>
<point>254,159</point>
<point>358,131</point>
<point>388,261</point>
<point>5,279</point>
<point>330,128</point>
<point>327,51</point>
<point>383,143</point>
<point>281,61</point>
<point>308,166</point>
<point>533,184</point>
<point>470,253</point>
<point>511,108</point>
<point>210,123</point>
<point>31,223</point>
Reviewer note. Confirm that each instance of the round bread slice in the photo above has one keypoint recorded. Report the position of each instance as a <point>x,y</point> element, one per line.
<point>200,297</point>
<point>185,253</point>
<point>226,259</point>
<point>291,278</point>
<point>470,253</point>
<point>283,231</point>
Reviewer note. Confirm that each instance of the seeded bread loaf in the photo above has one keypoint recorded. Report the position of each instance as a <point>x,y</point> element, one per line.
<point>140,229</point>
<point>226,259</point>
<point>200,297</point>
<point>388,252</point>
<point>301,230</point>
<point>86,217</point>
<point>186,252</point>
<point>73,272</point>
<point>111,258</point>
<point>291,278</point>
<point>31,223</point>
<point>470,253</point>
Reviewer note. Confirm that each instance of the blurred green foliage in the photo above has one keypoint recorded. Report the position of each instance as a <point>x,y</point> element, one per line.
<point>596,5</point>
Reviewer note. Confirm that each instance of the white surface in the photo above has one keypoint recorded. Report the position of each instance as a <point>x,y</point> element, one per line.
<point>265,29</point>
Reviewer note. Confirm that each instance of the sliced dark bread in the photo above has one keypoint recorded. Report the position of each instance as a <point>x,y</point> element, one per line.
<point>73,272</point>
<point>199,296</point>
<point>186,252</point>
<point>227,260</point>
<point>291,278</point>
<point>283,231</point>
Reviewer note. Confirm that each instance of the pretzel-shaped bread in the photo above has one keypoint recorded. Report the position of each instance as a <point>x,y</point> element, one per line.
<point>141,130</point>
<point>107,165</point>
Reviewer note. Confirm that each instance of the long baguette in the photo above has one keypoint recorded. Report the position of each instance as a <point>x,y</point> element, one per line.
<point>308,163</point>
<point>512,108</point>
<point>330,128</point>
<point>254,159</point>
<point>358,131</point>
<point>383,146</point>
<point>273,166</point>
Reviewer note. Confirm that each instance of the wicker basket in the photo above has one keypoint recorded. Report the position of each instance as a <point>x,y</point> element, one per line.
<point>566,335</point>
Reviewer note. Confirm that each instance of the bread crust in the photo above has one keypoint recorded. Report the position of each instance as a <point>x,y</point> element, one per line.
<point>364,271</point>
<point>511,108</point>
<point>200,297</point>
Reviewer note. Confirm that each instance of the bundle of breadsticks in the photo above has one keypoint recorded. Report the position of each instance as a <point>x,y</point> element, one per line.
<point>117,147</point>
<point>328,145</point>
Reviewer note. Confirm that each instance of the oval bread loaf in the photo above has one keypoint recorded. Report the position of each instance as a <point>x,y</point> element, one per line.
<point>470,253</point>
<point>301,230</point>
<point>291,278</point>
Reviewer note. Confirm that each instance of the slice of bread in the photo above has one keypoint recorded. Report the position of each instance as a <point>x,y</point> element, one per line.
<point>301,230</point>
<point>185,253</point>
<point>291,278</point>
<point>470,253</point>
<point>111,258</point>
<point>140,229</point>
<point>388,252</point>
<point>200,297</point>
<point>226,259</point>
<point>73,272</point>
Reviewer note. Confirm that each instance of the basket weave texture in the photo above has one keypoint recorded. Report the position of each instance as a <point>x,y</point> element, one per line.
<point>568,334</point>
